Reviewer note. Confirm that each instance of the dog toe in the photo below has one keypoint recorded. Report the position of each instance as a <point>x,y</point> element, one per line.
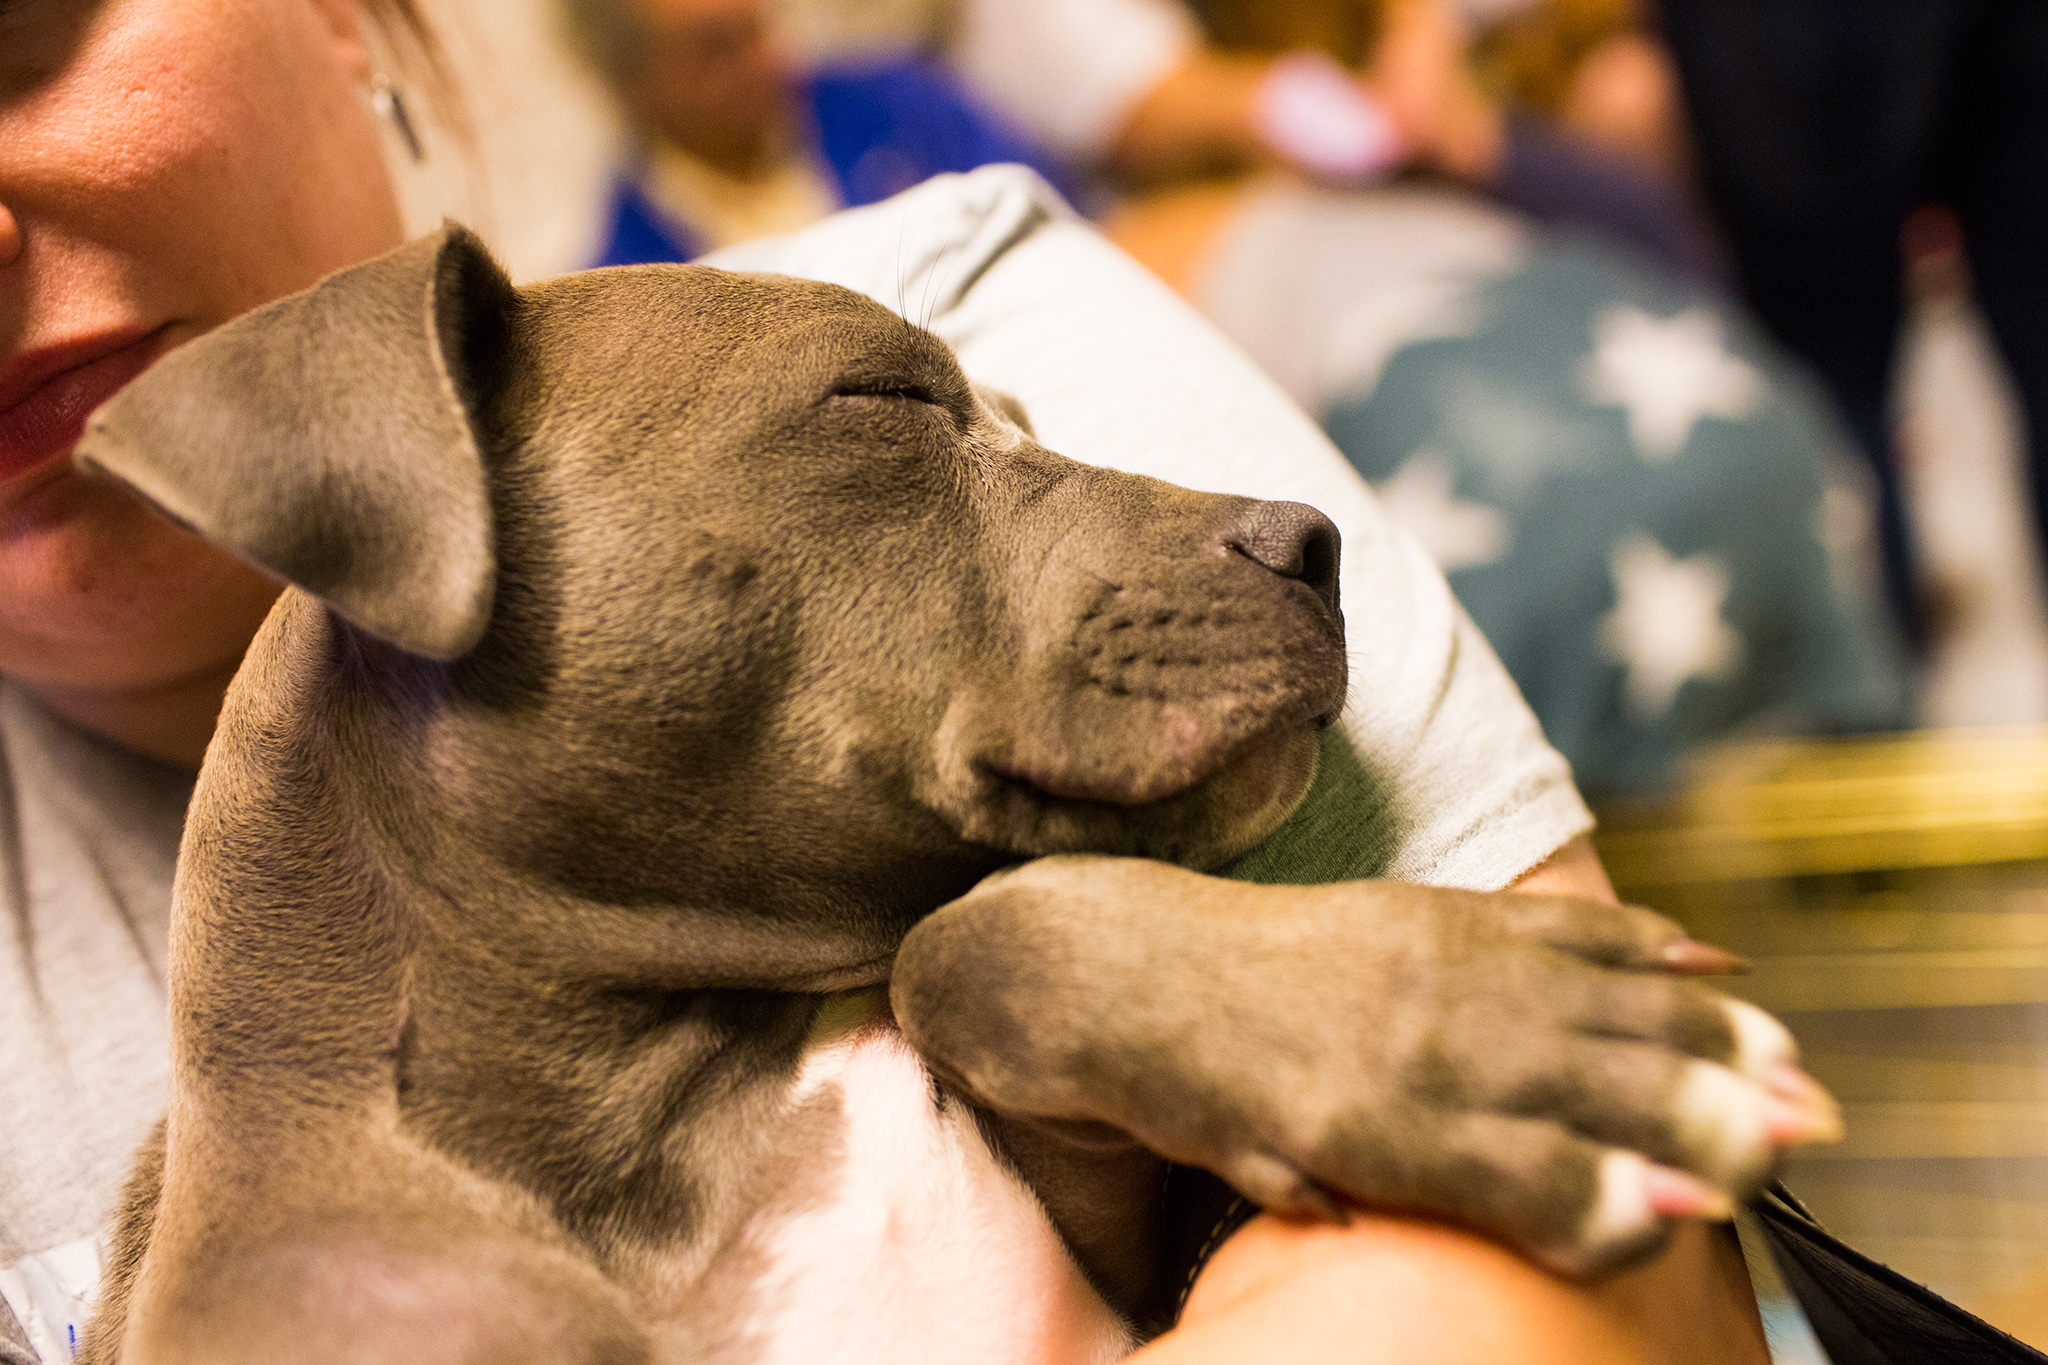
<point>1762,1044</point>
<point>1722,1121</point>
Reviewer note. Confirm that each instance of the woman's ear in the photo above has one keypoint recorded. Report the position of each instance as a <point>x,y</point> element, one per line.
<point>333,438</point>
<point>343,21</point>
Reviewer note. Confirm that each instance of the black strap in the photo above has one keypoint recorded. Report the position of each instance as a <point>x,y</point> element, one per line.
<point>1868,1314</point>
<point>1197,1214</point>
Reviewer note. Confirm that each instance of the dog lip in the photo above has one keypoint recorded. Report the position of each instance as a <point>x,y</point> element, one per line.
<point>1233,805</point>
<point>1052,786</point>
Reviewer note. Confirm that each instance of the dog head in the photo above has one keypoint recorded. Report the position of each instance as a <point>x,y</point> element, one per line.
<point>694,583</point>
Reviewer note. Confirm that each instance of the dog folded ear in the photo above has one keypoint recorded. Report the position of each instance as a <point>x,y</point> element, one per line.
<point>332,438</point>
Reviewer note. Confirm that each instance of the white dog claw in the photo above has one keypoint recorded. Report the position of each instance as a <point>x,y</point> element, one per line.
<point>1690,957</point>
<point>1621,1211</point>
<point>1635,1197</point>
<point>1275,1185</point>
<point>1722,1120</point>
<point>1799,1111</point>
<point>1762,1044</point>
<point>1678,1194</point>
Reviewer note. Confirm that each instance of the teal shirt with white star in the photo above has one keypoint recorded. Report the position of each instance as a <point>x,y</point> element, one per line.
<point>1645,508</point>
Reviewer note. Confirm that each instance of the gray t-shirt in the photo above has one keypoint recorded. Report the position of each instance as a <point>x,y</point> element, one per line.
<point>1114,369</point>
<point>88,839</point>
<point>1322,289</point>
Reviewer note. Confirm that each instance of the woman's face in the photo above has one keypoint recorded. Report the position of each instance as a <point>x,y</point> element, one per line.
<point>713,78</point>
<point>164,166</point>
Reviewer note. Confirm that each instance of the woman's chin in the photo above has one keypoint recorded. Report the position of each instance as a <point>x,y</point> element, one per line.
<point>102,593</point>
<point>50,493</point>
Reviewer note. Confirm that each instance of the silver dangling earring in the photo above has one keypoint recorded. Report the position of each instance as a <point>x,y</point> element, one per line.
<point>390,106</point>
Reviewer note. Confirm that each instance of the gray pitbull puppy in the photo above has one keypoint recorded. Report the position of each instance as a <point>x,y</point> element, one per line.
<point>585,943</point>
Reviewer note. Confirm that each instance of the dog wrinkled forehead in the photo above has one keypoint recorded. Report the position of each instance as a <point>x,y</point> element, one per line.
<point>648,336</point>
<point>682,396</point>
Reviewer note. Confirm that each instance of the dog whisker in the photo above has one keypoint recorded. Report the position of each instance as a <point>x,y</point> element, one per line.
<point>902,229</point>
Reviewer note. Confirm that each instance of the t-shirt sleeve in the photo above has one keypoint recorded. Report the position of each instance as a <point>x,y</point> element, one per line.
<point>1117,371</point>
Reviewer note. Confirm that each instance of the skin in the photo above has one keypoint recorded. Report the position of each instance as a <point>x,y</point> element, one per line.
<point>165,165</point>
<point>713,78</point>
<point>1573,870</point>
<point>1419,70</point>
<point>1200,113</point>
<point>1624,97</point>
<point>1421,1292</point>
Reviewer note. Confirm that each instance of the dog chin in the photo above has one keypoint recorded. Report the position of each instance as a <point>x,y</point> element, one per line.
<point>1204,825</point>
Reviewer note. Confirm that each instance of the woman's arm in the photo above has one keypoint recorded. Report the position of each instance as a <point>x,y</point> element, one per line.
<point>1387,1290</point>
<point>1573,870</point>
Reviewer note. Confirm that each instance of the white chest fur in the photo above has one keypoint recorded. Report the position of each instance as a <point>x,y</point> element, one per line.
<point>926,1249</point>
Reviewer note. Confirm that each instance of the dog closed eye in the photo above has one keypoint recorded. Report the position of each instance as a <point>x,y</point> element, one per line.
<point>892,390</point>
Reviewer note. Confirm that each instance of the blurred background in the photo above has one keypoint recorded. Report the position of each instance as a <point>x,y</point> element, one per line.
<point>1700,341</point>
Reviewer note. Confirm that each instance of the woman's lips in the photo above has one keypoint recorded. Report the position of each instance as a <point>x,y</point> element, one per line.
<point>49,421</point>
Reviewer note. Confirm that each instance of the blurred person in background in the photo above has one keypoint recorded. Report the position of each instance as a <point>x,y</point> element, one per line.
<point>1349,93</point>
<point>1820,126</point>
<point>734,138</point>
<point>732,141</point>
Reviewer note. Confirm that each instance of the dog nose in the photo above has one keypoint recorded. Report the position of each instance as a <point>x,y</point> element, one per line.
<point>1295,541</point>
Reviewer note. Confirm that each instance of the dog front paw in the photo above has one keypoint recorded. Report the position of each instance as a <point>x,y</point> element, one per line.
<point>1539,1068</point>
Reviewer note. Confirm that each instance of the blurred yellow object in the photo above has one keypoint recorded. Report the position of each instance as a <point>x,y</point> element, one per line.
<point>1892,894</point>
<point>1932,799</point>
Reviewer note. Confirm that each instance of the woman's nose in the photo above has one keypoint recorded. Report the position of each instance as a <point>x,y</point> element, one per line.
<point>10,237</point>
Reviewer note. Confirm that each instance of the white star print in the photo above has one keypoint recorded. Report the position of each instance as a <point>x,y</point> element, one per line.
<point>1669,373</point>
<point>1522,438</point>
<point>1666,627</point>
<point>1458,535</point>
